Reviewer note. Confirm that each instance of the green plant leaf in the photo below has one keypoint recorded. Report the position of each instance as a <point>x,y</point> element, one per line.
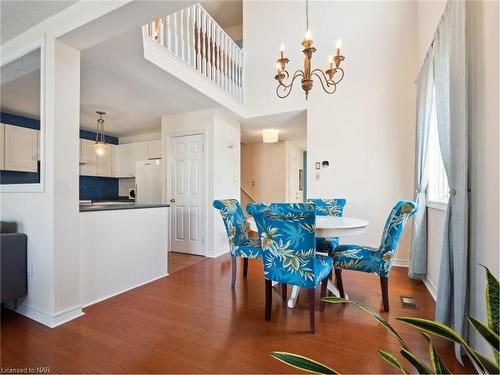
<point>490,336</point>
<point>377,316</point>
<point>492,301</point>
<point>302,363</point>
<point>417,363</point>
<point>489,366</point>
<point>389,358</point>
<point>437,364</point>
<point>445,332</point>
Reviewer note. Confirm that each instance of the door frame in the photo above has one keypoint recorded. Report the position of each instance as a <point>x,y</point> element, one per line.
<point>203,133</point>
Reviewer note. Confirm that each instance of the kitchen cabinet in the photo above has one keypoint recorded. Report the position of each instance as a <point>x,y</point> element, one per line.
<point>2,146</point>
<point>154,149</point>
<point>20,151</point>
<point>93,165</point>
<point>126,155</point>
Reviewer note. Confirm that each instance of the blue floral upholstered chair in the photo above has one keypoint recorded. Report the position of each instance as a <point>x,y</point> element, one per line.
<point>375,260</point>
<point>240,245</point>
<point>288,237</point>
<point>328,207</point>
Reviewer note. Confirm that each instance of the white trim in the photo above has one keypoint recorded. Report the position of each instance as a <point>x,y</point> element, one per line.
<point>219,252</point>
<point>125,290</point>
<point>431,288</point>
<point>40,186</point>
<point>437,205</point>
<point>400,262</point>
<point>50,321</point>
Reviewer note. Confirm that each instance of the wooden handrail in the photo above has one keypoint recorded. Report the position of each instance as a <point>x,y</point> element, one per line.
<point>248,194</point>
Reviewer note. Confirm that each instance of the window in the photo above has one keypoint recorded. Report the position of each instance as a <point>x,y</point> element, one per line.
<point>437,189</point>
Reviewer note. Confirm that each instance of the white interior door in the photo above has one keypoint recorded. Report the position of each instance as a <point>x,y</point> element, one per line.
<point>187,222</point>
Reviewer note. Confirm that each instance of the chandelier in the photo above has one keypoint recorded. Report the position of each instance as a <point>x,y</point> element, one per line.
<point>328,78</point>
<point>100,140</point>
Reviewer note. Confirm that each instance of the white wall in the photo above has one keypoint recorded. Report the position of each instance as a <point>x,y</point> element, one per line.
<point>366,129</point>
<point>293,151</point>
<point>49,218</point>
<point>120,250</point>
<point>483,48</point>
<point>222,167</point>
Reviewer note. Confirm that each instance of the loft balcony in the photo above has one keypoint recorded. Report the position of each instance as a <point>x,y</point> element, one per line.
<point>190,45</point>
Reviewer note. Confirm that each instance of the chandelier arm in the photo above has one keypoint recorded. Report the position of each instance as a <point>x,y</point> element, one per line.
<point>287,89</point>
<point>328,85</point>
<point>341,77</point>
<point>298,73</point>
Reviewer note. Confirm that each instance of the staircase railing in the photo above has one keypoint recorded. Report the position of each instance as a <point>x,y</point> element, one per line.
<point>196,39</point>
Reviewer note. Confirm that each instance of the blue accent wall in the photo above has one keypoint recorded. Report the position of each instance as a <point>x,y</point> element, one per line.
<point>24,122</point>
<point>98,187</point>
<point>87,134</point>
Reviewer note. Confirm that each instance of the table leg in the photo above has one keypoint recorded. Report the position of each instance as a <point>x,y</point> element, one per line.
<point>293,297</point>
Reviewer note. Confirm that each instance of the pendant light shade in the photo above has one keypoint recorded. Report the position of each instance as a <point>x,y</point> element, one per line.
<point>100,146</point>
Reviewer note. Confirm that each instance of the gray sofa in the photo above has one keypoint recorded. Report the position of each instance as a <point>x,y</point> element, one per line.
<point>13,261</point>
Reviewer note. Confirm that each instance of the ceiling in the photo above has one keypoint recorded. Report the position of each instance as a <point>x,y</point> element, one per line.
<point>292,126</point>
<point>17,16</point>
<point>116,78</point>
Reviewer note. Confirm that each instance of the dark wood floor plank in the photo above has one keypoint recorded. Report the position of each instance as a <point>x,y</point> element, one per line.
<point>192,321</point>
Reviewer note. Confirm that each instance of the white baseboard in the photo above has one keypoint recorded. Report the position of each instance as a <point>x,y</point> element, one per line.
<point>431,288</point>
<point>51,321</point>
<point>400,262</point>
<point>219,252</point>
<point>124,290</point>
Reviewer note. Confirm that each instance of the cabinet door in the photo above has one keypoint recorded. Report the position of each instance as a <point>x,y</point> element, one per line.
<point>104,163</point>
<point>121,160</point>
<point>88,167</point>
<point>2,146</point>
<point>154,149</point>
<point>21,149</point>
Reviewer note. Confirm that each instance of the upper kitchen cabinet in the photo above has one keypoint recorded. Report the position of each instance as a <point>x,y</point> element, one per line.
<point>154,149</point>
<point>126,156</point>
<point>93,165</point>
<point>2,146</point>
<point>20,149</point>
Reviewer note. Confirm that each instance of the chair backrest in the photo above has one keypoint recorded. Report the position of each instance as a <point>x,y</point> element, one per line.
<point>394,225</point>
<point>328,207</point>
<point>234,221</point>
<point>288,236</point>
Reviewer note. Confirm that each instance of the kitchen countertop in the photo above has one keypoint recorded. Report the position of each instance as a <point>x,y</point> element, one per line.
<point>97,207</point>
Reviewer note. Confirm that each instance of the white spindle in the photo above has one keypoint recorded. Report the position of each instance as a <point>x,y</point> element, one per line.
<point>198,29</point>
<point>193,33</point>
<point>181,14</point>
<point>209,48</point>
<point>204,42</point>
<point>213,47</point>
<point>169,33</point>
<point>189,30</point>
<point>174,31</point>
<point>217,55</point>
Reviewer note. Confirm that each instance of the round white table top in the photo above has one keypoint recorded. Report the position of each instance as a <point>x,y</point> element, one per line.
<point>331,226</point>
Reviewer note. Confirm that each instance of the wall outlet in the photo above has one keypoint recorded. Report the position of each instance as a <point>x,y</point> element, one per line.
<point>30,269</point>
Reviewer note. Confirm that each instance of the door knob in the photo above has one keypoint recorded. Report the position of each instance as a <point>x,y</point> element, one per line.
<point>172,200</point>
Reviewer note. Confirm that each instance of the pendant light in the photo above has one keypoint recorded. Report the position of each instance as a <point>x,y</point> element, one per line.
<point>100,141</point>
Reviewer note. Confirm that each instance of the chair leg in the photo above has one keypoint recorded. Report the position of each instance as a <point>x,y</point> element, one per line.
<point>340,285</point>
<point>269,296</point>
<point>283,294</point>
<point>312,327</point>
<point>324,285</point>
<point>245,267</point>
<point>233,271</point>
<point>384,285</point>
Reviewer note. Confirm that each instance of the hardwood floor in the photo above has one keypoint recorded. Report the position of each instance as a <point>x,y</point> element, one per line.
<point>191,321</point>
<point>179,261</point>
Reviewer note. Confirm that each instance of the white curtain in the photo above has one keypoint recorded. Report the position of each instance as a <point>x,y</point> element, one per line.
<point>418,255</point>
<point>451,109</point>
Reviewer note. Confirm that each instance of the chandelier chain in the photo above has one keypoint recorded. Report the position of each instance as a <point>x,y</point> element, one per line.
<point>307,15</point>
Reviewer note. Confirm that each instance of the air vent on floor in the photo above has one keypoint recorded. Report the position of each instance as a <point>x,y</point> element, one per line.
<point>408,302</point>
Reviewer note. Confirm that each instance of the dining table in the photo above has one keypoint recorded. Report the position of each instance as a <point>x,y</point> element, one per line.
<point>326,226</point>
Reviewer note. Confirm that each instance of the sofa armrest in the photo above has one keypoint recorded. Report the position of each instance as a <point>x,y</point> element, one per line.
<point>13,253</point>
